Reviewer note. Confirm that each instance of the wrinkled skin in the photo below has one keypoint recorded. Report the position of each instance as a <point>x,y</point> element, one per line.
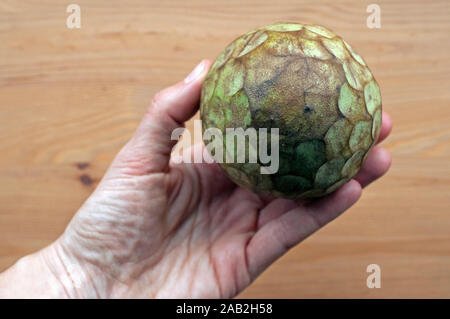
<point>309,83</point>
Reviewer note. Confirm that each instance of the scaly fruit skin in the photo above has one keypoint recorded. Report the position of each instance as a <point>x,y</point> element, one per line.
<point>309,83</point>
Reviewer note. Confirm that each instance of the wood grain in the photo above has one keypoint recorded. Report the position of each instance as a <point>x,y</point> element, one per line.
<point>70,99</point>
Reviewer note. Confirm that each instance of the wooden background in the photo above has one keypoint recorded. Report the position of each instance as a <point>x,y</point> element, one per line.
<point>69,99</point>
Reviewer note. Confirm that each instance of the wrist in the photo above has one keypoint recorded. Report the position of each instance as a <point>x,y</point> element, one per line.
<point>30,277</point>
<point>78,279</point>
<point>50,273</point>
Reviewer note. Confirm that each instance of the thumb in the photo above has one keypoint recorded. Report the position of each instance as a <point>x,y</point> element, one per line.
<point>149,149</point>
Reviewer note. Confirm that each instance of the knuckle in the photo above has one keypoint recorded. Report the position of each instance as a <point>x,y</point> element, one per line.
<point>158,99</point>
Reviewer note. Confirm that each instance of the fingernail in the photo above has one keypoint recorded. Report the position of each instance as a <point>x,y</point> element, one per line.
<point>195,73</point>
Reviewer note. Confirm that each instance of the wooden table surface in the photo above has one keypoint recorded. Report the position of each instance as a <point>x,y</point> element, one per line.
<point>70,98</point>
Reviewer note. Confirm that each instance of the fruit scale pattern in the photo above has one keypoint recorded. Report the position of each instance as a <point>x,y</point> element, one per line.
<point>311,85</point>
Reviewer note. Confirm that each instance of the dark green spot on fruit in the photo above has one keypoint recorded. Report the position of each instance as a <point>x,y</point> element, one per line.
<point>309,156</point>
<point>291,184</point>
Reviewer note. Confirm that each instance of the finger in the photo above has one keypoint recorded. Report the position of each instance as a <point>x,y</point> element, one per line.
<point>275,209</point>
<point>150,147</point>
<point>386,127</point>
<point>376,165</point>
<point>329,207</point>
<point>279,235</point>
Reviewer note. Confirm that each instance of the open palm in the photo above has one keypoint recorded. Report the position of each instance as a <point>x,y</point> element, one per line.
<point>154,228</point>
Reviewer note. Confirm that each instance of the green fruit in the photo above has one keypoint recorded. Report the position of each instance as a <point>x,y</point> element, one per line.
<point>311,85</point>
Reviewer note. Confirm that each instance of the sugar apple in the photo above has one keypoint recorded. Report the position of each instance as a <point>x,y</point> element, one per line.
<point>311,85</point>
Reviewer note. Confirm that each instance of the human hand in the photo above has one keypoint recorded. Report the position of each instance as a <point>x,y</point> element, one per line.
<point>153,228</point>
